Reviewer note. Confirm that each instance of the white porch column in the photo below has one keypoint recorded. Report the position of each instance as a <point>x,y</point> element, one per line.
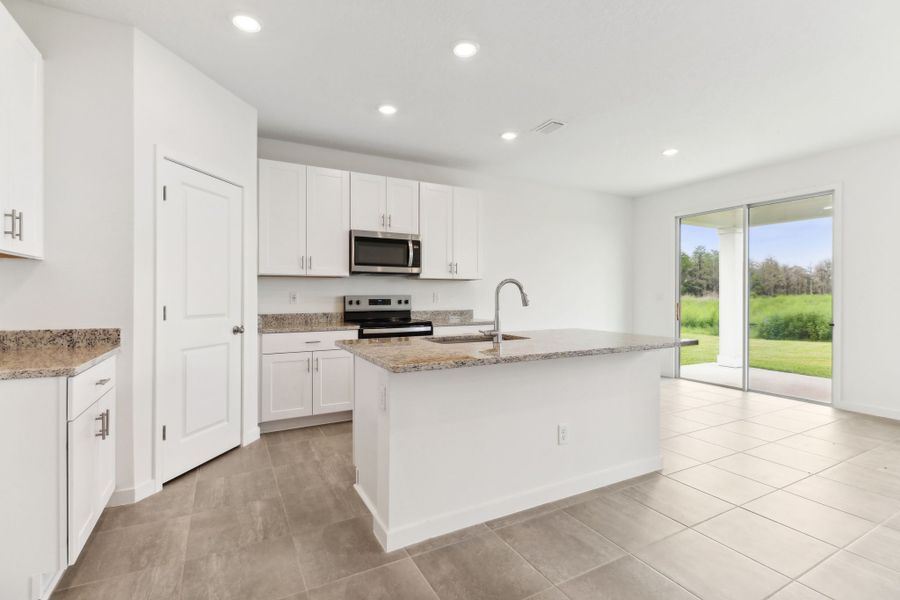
<point>731,283</point>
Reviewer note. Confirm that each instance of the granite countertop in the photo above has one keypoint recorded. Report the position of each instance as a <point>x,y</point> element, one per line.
<point>54,352</point>
<point>334,321</point>
<point>413,354</point>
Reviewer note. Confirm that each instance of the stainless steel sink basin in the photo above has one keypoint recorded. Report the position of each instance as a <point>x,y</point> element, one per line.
<point>468,339</point>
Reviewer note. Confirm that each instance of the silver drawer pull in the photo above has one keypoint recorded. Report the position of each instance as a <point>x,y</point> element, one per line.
<point>103,381</point>
<point>314,342</point>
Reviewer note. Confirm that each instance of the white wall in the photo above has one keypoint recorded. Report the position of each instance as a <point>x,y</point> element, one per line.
<point>202,124</point>
<point>570,248</point>
<point>85,279</point>
<point>868,289</point>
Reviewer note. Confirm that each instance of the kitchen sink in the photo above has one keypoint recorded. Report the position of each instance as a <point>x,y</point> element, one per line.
<point>468,339</point>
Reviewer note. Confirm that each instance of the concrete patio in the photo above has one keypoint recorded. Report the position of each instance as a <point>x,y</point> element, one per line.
<point>763,380</point>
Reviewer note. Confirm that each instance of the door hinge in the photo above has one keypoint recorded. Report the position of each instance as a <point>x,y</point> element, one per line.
<point>164,313</point>
<point>164,433</point>
<point>164,193</point>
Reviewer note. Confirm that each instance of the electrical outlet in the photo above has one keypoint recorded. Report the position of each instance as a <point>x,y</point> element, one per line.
<point>292,297</point>
<point>562,434</point>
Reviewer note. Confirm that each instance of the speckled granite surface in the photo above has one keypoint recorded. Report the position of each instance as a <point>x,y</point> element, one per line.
<point>407,355</point>
<point>54,352</point>
<point>334,321</point>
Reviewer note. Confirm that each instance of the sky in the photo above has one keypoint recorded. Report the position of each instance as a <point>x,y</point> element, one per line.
<point>800,243</point>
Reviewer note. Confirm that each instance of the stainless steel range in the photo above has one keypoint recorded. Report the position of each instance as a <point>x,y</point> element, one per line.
<point>384,316</point>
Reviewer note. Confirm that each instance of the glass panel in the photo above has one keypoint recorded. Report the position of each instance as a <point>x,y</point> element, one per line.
<point>712,297</point>
<point>377,252</point>
<point>790,248</point>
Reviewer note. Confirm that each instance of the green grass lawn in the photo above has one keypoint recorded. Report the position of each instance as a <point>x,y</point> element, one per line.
<point>805,358</point>
<point>702,314</point>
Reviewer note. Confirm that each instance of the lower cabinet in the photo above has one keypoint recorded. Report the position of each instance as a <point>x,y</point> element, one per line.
<point>91,469</point>
<point>300,384</point>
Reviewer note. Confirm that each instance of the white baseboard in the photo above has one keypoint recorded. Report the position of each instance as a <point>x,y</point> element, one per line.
<point>250,436</point>
<point>135,494</point>
<point>311,421</point>
<point>399,537</point>
<point>870,409</point>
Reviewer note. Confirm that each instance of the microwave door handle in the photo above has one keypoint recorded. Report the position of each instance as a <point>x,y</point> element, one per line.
<point>410,253</point>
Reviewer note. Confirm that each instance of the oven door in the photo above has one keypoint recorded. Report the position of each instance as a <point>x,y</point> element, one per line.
<point>383,252</point>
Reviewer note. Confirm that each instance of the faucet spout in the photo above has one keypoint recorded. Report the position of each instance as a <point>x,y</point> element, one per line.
<point>525,302</point>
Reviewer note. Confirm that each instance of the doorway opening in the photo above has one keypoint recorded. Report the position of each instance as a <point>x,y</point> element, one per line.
<point>756,292</point>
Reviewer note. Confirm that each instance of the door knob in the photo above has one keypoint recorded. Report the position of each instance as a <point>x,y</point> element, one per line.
<point>237,329</point>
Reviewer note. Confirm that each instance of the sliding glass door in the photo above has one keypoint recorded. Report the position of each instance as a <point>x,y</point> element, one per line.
<point>711,302</point>
<point>755,297</point>
<point>790,324</point>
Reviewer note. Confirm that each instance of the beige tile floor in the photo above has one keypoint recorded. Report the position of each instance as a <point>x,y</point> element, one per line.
<point>760,497</point>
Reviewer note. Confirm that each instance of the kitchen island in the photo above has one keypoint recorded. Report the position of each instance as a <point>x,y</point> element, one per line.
<point>448,433</point>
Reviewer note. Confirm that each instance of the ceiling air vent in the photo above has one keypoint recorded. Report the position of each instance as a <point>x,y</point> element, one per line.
<point>548,127</point>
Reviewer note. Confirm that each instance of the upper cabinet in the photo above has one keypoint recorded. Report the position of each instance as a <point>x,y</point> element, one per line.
<point>379,203</point>
<point>304,220</point>
<point>21,143</point>
<point>450,226</point>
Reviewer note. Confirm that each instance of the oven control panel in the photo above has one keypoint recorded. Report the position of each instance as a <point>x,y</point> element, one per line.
<point>375,303</point>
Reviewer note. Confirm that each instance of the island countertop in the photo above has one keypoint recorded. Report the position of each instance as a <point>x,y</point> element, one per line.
<point>414,354</point>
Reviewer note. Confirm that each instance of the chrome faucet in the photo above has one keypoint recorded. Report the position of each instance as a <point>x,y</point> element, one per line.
<point>496,332</point>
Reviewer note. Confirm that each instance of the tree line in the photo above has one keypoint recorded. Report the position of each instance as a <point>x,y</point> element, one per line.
<point>700,276</point>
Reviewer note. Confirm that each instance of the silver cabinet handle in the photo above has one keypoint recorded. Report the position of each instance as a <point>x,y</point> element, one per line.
<point>103,381</point>
<point>451,268</point>
<point>308,364</point>
<point>382,220</point>
<point>310,263</point>
<point>317,365</point>
<point>12,223</point>
<point>313,342</point>
<point>389,221</point>
<point>303,263</point>
<point>104,430</point>
<point>19,234</point>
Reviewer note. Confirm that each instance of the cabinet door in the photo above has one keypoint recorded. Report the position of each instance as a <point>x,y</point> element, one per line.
<point>83,445</point>
<point>282,218</point>
<point>21,142</point>
<point>467,233</point>
<point>333,382</point>
<point>436,227</point>
<point>403,205</point>
<point>367,202</point>
<point>286,386</point>
<point>328,222</point>
<point>106,459</point>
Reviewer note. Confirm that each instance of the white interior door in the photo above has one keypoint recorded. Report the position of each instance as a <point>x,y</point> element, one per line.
<point>403,205</point>
<point>436,230</point>
<point>198,373</point>
<point>327,222</point>
<point>466,233</point>
<point>367,202</point>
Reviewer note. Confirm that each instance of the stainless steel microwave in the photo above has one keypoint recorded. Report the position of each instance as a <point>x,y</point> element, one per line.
<point>384,252</point>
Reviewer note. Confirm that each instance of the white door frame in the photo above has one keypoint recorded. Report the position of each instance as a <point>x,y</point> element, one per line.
<point>837,291</point>
<point>248,434</point>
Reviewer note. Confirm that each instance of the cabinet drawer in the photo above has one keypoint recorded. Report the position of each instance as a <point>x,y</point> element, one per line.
<point>308,341</point>
<point>87,387</point>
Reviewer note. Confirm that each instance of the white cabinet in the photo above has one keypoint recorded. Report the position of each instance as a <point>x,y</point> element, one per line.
<point>21,143</point>
<point>379,203</point>
<point>91,453</point>
<point>305,374</point>
<point>304,220</point>
<point>333,381</point>
<point>287,384</point>
<point>450,224</point>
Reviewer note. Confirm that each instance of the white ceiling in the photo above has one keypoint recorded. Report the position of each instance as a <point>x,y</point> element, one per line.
<point>731,83</point>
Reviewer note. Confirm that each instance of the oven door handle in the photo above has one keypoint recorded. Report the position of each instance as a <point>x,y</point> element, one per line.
<point>396,330</point>
<point>410,253</point>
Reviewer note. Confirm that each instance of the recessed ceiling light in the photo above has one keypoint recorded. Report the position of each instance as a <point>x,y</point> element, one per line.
<point>246,23</point>
<point>509,135</point>
<point>465,49</point>
<point>387,109</point>
<point>669,152</point>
